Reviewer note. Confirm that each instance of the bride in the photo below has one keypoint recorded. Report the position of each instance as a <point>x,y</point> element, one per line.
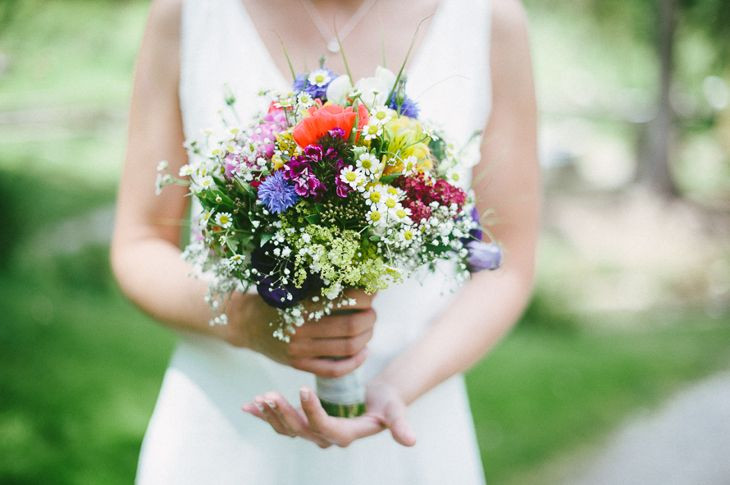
<point>231,397</point>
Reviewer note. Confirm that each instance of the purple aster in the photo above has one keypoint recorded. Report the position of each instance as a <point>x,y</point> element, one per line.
<point>277,193</point>
<point>406,107</point>
<point>483,256</point>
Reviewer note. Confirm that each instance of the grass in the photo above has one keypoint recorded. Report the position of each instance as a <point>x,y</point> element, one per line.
<point>545,392</point>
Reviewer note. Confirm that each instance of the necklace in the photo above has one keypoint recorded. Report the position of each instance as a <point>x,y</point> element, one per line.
<point>331,40</point>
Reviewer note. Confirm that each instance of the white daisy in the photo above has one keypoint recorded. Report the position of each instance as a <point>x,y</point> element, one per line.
<point>401,214</point>
<point>185,170</point>
<point>407,236</point>
<point>369,164</point>
<point>374,195</point>
<point>320,77</point>
<point>355,178</point>
<point>224,219</point>
<point>376,217</point>
<point>372,131</point>
<point>381,115</point>
<point>205,183</point>
<point>409,165</point>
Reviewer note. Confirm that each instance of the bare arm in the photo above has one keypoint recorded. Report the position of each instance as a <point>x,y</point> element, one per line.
<point>145,254</point>
<point>506,180</point>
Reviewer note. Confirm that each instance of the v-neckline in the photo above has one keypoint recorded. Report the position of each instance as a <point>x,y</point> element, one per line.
<point>416,58</point>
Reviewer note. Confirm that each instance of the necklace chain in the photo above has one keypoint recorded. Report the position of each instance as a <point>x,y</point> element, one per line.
<point>321,25</point>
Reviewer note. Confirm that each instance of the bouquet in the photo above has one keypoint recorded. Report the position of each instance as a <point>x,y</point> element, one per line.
<point>337,185</point>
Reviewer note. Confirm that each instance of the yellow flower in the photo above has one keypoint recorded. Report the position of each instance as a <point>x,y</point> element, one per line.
<point>405,137</point>
<point>277,161</point>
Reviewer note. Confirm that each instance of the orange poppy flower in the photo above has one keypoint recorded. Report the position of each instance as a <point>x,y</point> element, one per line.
<point>325,118</point>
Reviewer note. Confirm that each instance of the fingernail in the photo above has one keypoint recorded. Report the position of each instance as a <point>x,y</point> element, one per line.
<point>271,404</point>
<point>304,394</point>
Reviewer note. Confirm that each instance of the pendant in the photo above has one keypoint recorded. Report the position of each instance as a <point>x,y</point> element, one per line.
<point>333,46</point>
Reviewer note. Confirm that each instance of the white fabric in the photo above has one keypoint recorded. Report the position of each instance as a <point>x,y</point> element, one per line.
<point>198,434</point>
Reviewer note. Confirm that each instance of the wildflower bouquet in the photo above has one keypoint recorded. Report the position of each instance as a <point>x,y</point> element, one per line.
<point>338,184</point>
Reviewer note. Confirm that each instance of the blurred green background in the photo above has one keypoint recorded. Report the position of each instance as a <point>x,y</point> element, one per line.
<point>633,293</point>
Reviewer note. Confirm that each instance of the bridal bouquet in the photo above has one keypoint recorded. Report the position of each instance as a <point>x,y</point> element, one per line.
<point>337,185</point>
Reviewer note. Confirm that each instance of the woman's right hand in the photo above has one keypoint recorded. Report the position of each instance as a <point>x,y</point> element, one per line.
<point>314,345</point>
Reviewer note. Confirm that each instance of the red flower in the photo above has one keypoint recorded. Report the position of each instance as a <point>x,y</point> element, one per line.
<point>321,120</point>
<point>421,192</point>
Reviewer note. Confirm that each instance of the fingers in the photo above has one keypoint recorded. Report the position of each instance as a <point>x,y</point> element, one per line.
<point>362,299</point>
<point>339,431</point>
<point>328,367</point>
<point>332,347</point>
<point>271,415</point>
<point>394,418</point>
<point>338,326</point>
<point>280,415</point>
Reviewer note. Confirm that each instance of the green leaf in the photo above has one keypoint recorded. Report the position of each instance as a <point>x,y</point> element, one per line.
<point>386,179</point>
<point>313,218</point>
<point>265,238</point>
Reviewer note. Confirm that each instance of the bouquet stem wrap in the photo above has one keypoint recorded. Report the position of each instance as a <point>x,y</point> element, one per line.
<point>342,397</point>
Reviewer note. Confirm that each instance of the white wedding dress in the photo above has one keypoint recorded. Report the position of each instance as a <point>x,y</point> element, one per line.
<point>198,433</point>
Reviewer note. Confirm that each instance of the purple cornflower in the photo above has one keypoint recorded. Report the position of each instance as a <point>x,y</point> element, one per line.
<point>277,193</point>
<point>407,107</point>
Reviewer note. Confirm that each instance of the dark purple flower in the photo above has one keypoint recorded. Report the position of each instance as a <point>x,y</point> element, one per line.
<point>277,193</point>
<point>484,256</point>
<point>268,287</point>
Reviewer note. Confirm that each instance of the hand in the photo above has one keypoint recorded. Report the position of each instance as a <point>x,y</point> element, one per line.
<point>385,409</point>
<point>311,349</point>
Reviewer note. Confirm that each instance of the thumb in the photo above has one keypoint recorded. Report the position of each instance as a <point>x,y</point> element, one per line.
<point>395,420</point>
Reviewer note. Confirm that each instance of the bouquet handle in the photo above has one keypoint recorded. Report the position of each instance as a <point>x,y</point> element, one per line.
<point>342,397</point>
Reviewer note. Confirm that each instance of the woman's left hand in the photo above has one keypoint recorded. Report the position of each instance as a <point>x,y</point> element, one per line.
<point>385,409</point>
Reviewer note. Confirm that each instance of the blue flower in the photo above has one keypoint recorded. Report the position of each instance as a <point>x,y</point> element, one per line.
<point>406,107</point>
<point>277,193</point>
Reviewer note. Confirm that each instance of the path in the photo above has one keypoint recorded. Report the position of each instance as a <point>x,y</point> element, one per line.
<point>685,442</point>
